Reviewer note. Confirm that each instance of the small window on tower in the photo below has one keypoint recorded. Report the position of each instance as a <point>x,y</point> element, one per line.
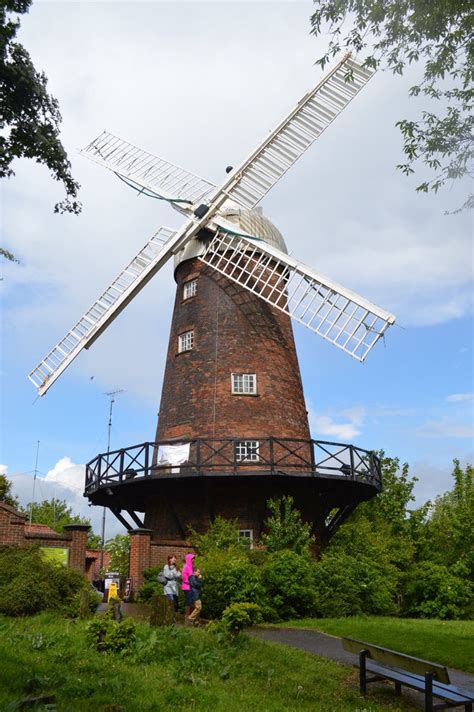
<point>246,450</point>
<point>244,383</point>
<point>246,537</point>
<point>190,289</point>
<point>185,341</point>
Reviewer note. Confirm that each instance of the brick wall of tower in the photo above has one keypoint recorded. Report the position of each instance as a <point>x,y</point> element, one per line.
<point>234,332</point>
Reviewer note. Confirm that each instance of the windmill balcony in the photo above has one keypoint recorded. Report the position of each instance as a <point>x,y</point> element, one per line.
<point>113,478</point>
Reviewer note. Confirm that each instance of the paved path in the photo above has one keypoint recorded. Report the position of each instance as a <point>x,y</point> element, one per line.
<point>329,646</point>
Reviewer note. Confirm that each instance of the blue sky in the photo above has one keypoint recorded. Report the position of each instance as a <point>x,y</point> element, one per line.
<point>200,84</point>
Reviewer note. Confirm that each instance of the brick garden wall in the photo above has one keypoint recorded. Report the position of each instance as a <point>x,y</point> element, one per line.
<point>15,531</point>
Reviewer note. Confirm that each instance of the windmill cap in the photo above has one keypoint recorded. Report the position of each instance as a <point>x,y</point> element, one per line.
<point>253,222</point>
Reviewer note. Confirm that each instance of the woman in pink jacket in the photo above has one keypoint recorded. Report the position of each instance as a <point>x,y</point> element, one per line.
<point>188,570</point>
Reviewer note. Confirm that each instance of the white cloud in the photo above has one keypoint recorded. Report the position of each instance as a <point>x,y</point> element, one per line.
<point>460,397</point>
<point>3,469</point>
<point>64,481</point>
<point>344,425</point>
<point>67,474</point>
<point>444,429</point>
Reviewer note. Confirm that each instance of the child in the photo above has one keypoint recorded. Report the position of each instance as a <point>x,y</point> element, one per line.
<point>187,572</point>
<point>195,581</point>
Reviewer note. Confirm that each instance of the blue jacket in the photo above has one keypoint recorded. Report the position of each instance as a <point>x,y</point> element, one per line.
<point>196,585</point>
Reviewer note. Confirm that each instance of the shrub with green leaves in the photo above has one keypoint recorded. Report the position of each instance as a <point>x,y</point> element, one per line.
<point>30,584</point>
<point>238,616</point>
<point>285,529</point>
<point>348,585</point>
<point>287,579</point>
<point>109,636</point>
<point>150,585</point>
<point>433,591</point>
<point>222,535</point>
<point>228,577</point>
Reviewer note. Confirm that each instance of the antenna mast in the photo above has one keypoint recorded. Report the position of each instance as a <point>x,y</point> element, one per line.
<point>111,395</point>
<point>34,480</point>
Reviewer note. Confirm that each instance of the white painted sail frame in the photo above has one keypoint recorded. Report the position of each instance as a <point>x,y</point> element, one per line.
<point>318,108</point>
<point>148,171</point>
<point>105,308</point>
<point>335,313</point>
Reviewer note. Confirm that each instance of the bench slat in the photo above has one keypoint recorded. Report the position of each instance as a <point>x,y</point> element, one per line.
<point>392,658</point>
<point>417,682</point>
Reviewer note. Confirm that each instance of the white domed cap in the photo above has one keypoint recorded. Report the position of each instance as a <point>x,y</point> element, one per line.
<point>251,221</point>
<point>255,223</point>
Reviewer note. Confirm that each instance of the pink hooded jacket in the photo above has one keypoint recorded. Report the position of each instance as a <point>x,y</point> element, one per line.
<point>188,570</point>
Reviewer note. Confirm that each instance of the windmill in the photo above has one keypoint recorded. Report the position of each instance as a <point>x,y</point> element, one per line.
<point>233,427</point>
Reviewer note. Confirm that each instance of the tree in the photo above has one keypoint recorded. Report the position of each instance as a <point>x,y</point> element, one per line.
<point>119,550</point>
<point>450,524</point>
<point>392,504</point>
<point>6,254</point>
<point>222,535</point>
<point>30,116</point>
<point>438,33</point>
<point>6,492</point>
<point>56,513</point>
<point>285,529</point>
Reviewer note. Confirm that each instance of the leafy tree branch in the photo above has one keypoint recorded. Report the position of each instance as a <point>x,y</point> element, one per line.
<point>30,116</point>
<point>436,33</point>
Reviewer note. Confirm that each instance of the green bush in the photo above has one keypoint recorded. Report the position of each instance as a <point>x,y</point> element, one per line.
<point>288,585</point>
<point>285,529</point>
<point>109,636</point>
<point>150,585</point>
<point>30,584</point>
<point>433,591</point>
<point>222,535</point>
<point>238,616</point>
<point>228,577</point>
<point>346,585</point>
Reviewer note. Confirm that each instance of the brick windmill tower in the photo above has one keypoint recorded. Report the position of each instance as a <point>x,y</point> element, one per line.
<point>233,428</point>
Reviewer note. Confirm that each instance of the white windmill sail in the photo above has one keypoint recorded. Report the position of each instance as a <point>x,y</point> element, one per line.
<point>109,305</point>
<point>252,180</point>
<point>339,315</point>
<point>148,172</point>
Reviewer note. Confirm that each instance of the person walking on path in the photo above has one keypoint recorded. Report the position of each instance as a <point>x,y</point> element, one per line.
<point>195,581</point>
<point>188,570</point>
<point>170,589</point>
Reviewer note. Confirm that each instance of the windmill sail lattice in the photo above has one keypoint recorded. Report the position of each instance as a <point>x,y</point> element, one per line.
<point>102,312</point>
<point>337,314</point>
<point>154,174</point>
<point>295,134</point>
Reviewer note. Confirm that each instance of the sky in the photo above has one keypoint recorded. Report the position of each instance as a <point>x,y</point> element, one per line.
<point>200,84</point>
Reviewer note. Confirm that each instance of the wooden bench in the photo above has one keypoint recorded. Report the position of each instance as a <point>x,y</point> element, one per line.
<point>429,678</point>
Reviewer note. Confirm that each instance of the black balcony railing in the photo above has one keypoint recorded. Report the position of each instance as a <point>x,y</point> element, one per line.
<point>229,456</point>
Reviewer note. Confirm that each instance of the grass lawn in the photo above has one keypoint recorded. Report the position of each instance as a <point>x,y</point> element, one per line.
<point>450,643</point>
<point>172,669</point>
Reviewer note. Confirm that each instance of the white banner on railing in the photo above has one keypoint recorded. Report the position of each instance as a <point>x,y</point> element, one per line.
<point>173,454</point>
